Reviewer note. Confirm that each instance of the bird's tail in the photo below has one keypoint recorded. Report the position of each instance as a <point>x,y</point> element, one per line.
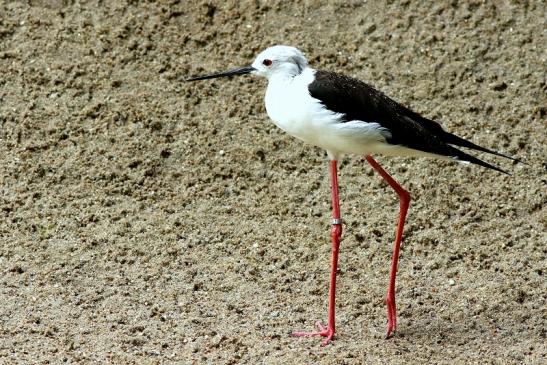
<point>454,140</point>
<point>458,141</point>
<point>464,157</point>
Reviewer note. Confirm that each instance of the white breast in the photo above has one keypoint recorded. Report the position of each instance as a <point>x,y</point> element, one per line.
<point>291,107</point>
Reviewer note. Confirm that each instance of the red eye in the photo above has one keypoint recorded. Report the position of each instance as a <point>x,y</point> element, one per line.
<point>267,62</point>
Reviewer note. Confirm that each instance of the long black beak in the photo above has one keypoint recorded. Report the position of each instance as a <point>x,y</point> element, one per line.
<point>236,71</point>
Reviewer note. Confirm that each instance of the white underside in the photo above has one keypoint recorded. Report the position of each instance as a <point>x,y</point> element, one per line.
<point>291,108</point>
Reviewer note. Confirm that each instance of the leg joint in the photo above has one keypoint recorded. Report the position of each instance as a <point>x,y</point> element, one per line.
<point>405,195</point>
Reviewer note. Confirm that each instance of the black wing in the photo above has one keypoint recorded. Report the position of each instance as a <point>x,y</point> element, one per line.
<point>356,100</point>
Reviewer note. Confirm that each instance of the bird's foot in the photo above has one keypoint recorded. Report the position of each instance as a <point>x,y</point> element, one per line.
<point>391,316</point>
<point>323,331</point>
<point>391,330</point>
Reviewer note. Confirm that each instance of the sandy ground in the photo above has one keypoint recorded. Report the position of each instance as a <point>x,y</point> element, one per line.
<point>145,220</point>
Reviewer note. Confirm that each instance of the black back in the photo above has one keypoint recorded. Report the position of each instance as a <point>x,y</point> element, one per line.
<point>356,100</point>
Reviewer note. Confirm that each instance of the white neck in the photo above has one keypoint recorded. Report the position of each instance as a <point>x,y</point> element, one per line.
<point>286,72</point>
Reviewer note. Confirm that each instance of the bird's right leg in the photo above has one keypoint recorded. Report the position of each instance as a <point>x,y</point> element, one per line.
<point>404,200</point>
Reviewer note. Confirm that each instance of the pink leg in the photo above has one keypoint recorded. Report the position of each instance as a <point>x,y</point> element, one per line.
<point>404,199</point>
<point>336,233</point>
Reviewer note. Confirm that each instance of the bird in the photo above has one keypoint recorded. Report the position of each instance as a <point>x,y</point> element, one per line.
<point>344,115</point>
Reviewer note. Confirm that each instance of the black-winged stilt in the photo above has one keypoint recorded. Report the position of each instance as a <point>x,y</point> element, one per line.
<point>344,115</point>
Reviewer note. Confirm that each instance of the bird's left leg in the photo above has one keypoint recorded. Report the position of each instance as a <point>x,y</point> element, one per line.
<point>404,199</point>
<point>336,232</point>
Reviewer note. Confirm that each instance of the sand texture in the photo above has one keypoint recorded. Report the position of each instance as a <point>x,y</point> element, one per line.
<point>145,220</point>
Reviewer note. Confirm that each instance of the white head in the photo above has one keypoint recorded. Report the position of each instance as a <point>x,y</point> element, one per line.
<point>276,60</point>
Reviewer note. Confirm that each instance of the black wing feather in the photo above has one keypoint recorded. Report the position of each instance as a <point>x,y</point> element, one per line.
<point>356,100</point>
